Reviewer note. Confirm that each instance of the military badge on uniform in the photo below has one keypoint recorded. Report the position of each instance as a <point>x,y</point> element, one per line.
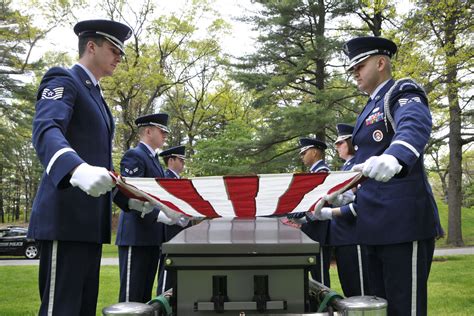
<point>377,135</point>
<point>52,94</point>
<point>374,118</point>
<point>403,101</point>
<point>131,171</point>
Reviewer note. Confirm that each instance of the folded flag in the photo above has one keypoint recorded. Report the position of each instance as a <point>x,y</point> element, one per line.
<point>240,196</point>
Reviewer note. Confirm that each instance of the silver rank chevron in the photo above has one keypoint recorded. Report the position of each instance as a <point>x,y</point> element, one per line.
<point>54,94</point>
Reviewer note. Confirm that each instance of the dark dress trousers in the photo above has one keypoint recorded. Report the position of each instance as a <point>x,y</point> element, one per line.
<point>318,231</point>
<point>351,258</point>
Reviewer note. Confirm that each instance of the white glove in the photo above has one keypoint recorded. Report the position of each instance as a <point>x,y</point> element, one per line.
<point>381,168</point>
<point>172,215</point>
<point>323,214</point>
<point>182,221</point>
<point>140,206</point>
<point>341,199</point>
<point>95,181</point>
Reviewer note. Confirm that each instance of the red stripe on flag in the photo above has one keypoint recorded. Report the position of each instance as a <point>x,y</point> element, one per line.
<point>242,191</point>
<point>184,189</point>
<point>300,185</point>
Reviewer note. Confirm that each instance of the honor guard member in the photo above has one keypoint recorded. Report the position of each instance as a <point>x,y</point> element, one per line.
<point>351,258</point>
<point>71,212</point>
<point>397,217</point>
<point>139,235</point>
<point>311,153</point>
<point>174,159</point>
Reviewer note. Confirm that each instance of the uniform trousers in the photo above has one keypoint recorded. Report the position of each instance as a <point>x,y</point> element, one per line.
<point>165,279</point>
<point>138,267</point>
<point>352,269</point>
<point>320,272</point>
<point>69,277</point>
<point>399,273</point>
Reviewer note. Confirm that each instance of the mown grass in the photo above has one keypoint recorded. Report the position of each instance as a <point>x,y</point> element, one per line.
<point>450,288</point>
<point>467,224</point>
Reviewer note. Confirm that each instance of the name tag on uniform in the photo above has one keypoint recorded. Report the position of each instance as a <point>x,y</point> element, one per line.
<point>374,118</point>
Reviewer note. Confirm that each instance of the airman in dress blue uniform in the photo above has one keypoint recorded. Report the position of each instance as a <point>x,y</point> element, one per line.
<point>312,152</point>
<point>351,258</point>
<point>397,217</point>
<point>139,237</point>
<point>71,213</point>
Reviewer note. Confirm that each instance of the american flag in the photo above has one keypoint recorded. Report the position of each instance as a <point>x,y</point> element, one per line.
<point>240,196</point>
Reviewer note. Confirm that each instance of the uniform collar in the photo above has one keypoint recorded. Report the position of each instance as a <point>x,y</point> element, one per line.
<point>177,175</point>
<point>89,73</point>
<point>152,152</point>
<point>379,87</point>
<point>348,161</point>
<point>313,167</point>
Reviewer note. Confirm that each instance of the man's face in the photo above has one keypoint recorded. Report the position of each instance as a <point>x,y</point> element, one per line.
<point>177,164</point>
<point>366,74</point>
<point>106,58</point>
<point>309,157</point>
<point>157,137</point>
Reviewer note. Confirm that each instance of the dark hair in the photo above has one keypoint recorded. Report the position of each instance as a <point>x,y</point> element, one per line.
<point>350,147</point>
<point>84,40</point>
<point>166,159</point>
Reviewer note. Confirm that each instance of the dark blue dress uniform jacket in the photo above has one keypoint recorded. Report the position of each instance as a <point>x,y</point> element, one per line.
<point>72,125</point>
<point>133,230</point>
<point>343,229</point>
<point>317,230</point>
<point>402,209</point>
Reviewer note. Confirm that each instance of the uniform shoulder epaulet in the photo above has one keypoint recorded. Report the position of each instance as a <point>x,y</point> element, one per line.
<point>401,87</point>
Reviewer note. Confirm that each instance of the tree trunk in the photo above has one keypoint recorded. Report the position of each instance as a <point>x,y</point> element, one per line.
<point>2,205</point>
<point>455,141</point>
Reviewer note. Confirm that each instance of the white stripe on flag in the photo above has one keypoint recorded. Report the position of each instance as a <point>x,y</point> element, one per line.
<point>213,190</point>
<point>333,179</point>
<point>150,185</point>
<point>270,188</point>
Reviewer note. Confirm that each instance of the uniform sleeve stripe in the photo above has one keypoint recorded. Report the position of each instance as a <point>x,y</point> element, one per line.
<point>351,207</point>
<point>56,156</point>
<point>407,145</point>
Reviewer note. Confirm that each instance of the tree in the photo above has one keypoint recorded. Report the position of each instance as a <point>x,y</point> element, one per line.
<point>445,27</point>
<point>295,75</point>
<point>18,37</point>
<point>160,56</point>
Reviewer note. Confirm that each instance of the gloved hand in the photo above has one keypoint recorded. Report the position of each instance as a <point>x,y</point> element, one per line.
<point>171,214</point>
<point>140,206</point>
<point>322,214</point>
<point>93,180</point>
<point>183,221</point>
<point>381,168</point>
<point>341,199</point>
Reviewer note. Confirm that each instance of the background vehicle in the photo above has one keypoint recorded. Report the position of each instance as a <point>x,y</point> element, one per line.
<point>13,241</point>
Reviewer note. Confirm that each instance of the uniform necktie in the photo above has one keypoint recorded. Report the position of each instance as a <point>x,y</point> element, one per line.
<point>103,106</point>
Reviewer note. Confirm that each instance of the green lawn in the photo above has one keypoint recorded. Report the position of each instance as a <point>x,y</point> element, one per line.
<point>467,224</point>
<point>450,288</point>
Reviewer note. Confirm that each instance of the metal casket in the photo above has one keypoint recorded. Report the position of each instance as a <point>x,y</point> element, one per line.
<point>240,265</point>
